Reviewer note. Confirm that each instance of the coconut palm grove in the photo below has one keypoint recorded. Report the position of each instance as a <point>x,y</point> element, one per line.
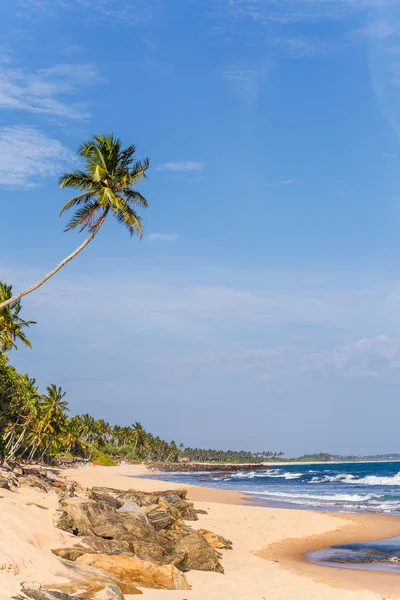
<point>36,425</point>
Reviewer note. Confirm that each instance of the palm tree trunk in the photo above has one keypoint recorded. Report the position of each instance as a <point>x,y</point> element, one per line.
<point>58,267</point>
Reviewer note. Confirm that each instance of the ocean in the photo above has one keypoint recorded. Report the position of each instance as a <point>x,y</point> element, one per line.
<point>351,487</point>
<point>372,487</point>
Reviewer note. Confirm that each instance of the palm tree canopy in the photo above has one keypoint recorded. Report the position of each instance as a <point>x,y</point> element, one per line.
<point>11,324</point>
<point>106,184</point>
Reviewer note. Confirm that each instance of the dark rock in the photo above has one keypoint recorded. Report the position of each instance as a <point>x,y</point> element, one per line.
<point>158,516</point>
<point>199,554</point>
<point>102,496</point>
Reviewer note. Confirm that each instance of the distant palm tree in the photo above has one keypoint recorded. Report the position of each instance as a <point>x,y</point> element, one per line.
<point>11,324</point>
<point>106,186</point>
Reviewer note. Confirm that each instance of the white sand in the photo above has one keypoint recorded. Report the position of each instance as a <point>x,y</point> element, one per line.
<point>27,535</point>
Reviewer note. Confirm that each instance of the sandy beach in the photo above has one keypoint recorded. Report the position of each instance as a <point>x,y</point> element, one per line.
<point>267,562</point>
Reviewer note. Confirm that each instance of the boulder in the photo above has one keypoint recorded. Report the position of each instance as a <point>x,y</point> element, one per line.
<point>177,531</point>
<point>93,545</point>
<point>13,466</point>
<point>216,541</point>
<point>102,496</point>
<point>158,516</point>
<point>90,590</point>
<point>35,481</point>
<point>131,569</point>
<point>87,517</point>
<point>36,592</point>
<point>199,554</point>
<point>129,507</point>
<point>8,480</point>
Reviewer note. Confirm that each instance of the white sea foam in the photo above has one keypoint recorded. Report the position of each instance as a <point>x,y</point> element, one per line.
<point>317,497</point>
<point>273,473</point>
<point>352,479</point>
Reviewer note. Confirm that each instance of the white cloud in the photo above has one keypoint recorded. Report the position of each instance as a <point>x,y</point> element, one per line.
<point>27,155</point>
<point>282,182</point>
<point>181,167</point>
<point>163,237</point>
<point>44,91</point>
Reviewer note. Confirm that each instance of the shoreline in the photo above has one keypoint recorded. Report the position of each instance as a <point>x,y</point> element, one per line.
<point>269,544</point>
<point>288,553</point>
<point>291,553</point>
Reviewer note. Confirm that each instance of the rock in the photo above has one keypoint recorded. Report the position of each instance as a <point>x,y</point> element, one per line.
<point>199,554</point>
<point>36,592</point>
<point>131,569</point>
<point>394,559</point>
<point>177,531</point>
<point>8,480</point>
<point>58,482</point>
<point>13,466</point>
<point>132,506</point>
<point>70,553</point>
<point>186,510</point>
<point>87,517</point>
<point>158,551</point>
<point>34,481</point>
<point>200,511</point>
<point>216,541</point>
<point>102,496</point>
<point>158,516</point>
<point>94,545</point>
<point>90,590</point>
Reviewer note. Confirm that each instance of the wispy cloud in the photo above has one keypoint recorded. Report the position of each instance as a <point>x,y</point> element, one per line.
<point>45,91</point>
<point>181,167</point>
<point>163,237</point>
<point>27,156</point>
<point>245,80</point>
<point>282,182</point>
<point>113,12</point>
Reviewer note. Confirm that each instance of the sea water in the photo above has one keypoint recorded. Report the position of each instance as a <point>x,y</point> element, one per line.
<point>372,487</point>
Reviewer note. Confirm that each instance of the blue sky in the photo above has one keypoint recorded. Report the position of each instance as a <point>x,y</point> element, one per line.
<point>261,309</point>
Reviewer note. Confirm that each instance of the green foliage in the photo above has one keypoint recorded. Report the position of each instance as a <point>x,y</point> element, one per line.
<point>103,458</point>
<point>230,456</point>
<point>106,185</point>
<point>11,324</point>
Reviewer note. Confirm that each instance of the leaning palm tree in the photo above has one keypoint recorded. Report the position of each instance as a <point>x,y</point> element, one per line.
<point>106,186</point>
<point>11,324</point>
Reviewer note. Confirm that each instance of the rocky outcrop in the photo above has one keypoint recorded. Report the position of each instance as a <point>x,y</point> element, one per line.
<point>85,517</point>
<point>198,554</point>
<point>216,541</point>
<point>131,569</point>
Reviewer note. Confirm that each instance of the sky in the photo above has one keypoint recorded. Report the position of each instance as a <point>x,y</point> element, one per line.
<point>261,309</point>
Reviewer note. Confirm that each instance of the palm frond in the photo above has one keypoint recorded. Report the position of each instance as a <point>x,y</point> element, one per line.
<point>84,217</point>
<point>134,197</point>
<point>139,169</point>
<point>76,179</point>
<point>132,221</point>
<point>81,199</point>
